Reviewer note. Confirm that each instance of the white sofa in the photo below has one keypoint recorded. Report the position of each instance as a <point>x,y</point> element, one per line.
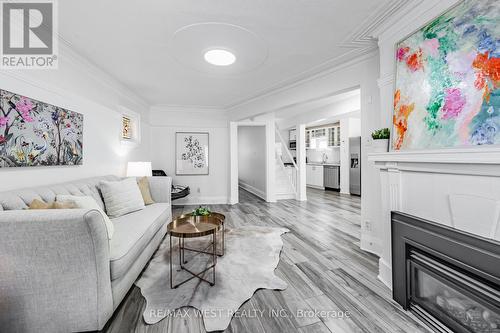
<point>58,270</point>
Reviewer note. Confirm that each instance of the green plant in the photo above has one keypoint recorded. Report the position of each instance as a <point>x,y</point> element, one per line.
<point>380,134</point>
<point>201,211</point>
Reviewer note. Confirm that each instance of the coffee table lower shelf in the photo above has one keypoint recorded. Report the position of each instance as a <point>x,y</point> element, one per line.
<point>188,226</point>
<point>182,261</point>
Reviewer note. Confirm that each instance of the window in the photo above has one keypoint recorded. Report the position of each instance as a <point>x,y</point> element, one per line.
<point>126,128</point>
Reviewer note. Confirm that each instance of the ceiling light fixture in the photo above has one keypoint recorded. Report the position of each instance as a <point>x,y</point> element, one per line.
<point>219,57</point>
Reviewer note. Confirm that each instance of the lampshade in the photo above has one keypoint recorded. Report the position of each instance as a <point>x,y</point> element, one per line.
<point>139,169</point>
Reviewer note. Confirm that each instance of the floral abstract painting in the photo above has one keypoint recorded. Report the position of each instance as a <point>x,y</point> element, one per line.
<point>191,153</point>
<point>447,80</point>
<point>34,133</point>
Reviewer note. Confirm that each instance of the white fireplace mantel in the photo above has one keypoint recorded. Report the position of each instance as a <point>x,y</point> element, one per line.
<point>445,156</point>
<point>456,187</point>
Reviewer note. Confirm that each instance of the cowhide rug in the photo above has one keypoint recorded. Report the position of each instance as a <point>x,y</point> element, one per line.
<point>252,254</point>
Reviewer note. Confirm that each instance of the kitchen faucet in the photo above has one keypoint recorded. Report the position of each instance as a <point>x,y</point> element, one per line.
<point>324,158</point>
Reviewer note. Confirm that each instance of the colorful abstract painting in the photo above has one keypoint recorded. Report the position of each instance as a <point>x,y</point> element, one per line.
<point>447,80</point>
<point>34,133</point>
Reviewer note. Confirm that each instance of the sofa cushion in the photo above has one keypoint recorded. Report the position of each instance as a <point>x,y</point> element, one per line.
<point>20,199</point>
<point>132,234</point>
<point>121,197</point>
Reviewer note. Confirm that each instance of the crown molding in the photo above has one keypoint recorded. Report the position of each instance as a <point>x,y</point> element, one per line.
<point>367,54</point>
<point>361,42</point>
<point>393,22</point>
<point>67,52</point>
<point>186,107</point>
<point>363,36</point>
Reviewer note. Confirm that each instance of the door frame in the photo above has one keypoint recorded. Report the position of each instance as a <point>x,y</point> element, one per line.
<point>270,159</point>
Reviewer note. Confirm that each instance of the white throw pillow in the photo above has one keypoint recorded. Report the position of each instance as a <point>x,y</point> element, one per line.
<point>121,197</point>
<point>87,202</point>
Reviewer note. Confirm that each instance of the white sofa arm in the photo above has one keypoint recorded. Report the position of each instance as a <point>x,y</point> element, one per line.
<point>54,271</point>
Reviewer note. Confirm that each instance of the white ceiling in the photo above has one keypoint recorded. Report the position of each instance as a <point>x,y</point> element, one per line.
<point>156,47</point>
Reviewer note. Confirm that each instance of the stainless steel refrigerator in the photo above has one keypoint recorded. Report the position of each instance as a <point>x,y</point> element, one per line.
<point>355,167</point>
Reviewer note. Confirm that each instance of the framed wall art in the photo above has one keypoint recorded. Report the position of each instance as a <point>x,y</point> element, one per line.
<point>34,133</point>
<point>447,80</point>
<point>126,128</point>
<point>192,153</point>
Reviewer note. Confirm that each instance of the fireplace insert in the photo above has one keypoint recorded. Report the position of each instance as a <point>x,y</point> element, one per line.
<point>449,278</point>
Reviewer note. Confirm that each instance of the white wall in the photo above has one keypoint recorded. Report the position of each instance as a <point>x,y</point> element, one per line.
<point>252,159</point>
<point>166,121</point>
<point>389,33</point>
<point>354,127</point>
<point>79,86</point>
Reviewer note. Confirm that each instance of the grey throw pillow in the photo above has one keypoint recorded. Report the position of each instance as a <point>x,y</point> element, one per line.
<point>121,197</point>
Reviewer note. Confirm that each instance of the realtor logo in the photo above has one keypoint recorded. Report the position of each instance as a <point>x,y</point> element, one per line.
<point>29,38</point>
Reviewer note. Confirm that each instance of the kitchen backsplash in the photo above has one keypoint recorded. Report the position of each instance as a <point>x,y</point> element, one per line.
<point>316,155</point>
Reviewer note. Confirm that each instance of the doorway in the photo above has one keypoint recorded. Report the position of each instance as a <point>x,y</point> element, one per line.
<point>251,159</point>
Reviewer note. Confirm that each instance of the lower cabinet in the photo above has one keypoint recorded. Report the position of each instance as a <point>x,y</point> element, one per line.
<point>314,175</point>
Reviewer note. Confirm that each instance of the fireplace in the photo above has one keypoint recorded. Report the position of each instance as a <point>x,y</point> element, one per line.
<point>449,278</point>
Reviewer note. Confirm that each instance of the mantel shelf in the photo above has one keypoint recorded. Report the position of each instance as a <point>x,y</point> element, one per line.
<point>485,156</point>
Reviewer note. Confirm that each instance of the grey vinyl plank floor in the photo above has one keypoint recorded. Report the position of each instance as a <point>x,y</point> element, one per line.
<point>333,285</point>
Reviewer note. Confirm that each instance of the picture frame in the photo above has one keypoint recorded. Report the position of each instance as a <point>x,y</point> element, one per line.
<point>437,111</point>
<point>126,128</point>
<point>192,153</point>
<point>35,133</point>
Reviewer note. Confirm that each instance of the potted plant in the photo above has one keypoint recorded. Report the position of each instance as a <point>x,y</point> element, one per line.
<point>381,140</point>
<point>204,211</point>
<point>201,211</point>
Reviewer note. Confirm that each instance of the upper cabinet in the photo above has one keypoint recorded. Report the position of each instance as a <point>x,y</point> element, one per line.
<point>292,135</point>
<point>318,133</point>
<point>334,136</point>
<point>322,137</point>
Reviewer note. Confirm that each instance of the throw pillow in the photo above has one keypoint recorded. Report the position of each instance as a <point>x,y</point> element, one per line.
<point>40,204</point>
<point>121,197</point>
<point>146,193</point>
<point>87,202</point>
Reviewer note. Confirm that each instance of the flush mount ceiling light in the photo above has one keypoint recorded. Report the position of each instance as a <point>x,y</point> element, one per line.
<point>219,57</point>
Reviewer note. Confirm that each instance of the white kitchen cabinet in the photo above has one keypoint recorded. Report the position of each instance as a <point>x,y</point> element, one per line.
<point>314,175</point>
<point>293,135</point>
<point>334,136</point>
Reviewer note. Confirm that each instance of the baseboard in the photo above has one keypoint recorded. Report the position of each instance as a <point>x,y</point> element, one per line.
<point>285,196</point>
<point>385,273</point>
<point>252,190</point>
<point>201,200</point>
<point>316,187</point>
<point>370,244</point>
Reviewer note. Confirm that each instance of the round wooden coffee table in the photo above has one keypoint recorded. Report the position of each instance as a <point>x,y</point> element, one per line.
<point>188,226</point>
